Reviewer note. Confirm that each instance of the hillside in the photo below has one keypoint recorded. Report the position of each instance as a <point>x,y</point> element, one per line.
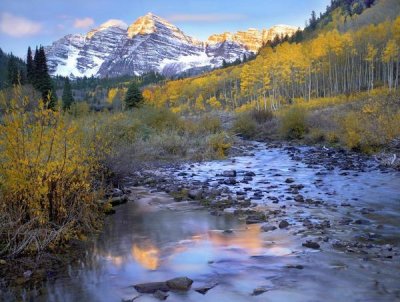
<point>325,63</point>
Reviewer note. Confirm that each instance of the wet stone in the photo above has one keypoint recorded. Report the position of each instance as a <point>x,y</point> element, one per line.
<point>268,228</point>
<point>311,245</point>
<point>299,198</point>
<point>258,291</point>
<point>151,287</point>
<point>160,295</point>
<point>230,173</point>
<point>204,289</point>
<point>180,283</point>
<point>289,180</point>
<point>298,266</point>
<point>230,181</point>
<point>283,224</point>
<point>255,218</point>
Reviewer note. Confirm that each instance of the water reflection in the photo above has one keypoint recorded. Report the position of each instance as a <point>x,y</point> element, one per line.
<point>248,239</point>
<point>147,256</point>
<point>143,243</point>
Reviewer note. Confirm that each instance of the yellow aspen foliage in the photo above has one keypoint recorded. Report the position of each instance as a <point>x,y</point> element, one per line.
<point>199,103</point>
<point>396,30</point>
<point>111,95</point>
<point>391,51</point>
<point>148,96</point>
<point>214,103</point>
<point>371,53</point>
<point>46,174</point>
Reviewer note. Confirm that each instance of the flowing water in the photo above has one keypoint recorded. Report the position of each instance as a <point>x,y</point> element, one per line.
<point>156,239</point>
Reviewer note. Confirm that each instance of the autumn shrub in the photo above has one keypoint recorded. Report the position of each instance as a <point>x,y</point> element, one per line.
<point>158,118</point>
<point>209,123</point>
<point>150,135</point>
<point>373,125</point>
<point>293,123</point>
<point>47,170</point>
<point>262,116</point>
<point>245,125</point>
<point>219,144</point>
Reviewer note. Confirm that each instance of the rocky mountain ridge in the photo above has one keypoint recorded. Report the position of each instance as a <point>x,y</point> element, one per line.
<point>150,44</point>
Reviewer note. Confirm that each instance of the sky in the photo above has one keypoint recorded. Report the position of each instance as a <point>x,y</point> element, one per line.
<point>26,23</point>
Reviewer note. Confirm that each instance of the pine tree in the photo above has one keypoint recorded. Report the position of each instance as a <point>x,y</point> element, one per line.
<point>29,66</point>
<point>67,97</point>
<point>42,80</point>
<point>13,73</point>
<point>34,72</point>
<point>313,20</point>
<point>133,96</point>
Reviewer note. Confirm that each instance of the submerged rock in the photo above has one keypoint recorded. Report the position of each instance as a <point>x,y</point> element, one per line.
<point>160,295</point>
<point>151,287</point>
<point>180,283</point>
<point>283,224</point>
<point>255,218</point>
<point>195,194</point>
<point>311,245</point>
<point>268,228</point>
<point>258,291</point>
<point>230,173</point>
<point>204,289</point>
<point>298,266</point>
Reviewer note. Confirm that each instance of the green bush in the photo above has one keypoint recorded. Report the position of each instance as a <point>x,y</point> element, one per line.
<point>293,123</point>
<point>245,125</point>
<point>262,116</point>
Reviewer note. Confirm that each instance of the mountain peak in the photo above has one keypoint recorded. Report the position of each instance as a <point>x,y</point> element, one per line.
<point>253,38</point>
<point>148,24</point>
<point>112,23</point>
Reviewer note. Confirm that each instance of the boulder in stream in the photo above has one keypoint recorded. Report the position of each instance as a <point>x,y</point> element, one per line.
<point>180,283</point>
<point>151,287</point>
<point>230,173</point>
<point>311,245</point>
<point>160,295</point>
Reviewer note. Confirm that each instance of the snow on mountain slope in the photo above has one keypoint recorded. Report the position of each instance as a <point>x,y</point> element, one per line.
<point>253,38</point>
<point>149,44</point>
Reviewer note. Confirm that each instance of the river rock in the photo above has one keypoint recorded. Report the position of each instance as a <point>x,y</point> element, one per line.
<point>250,174</point>
<point>195,194</point>
<point>311,245</point>
<point>151,287</point>
<point>116,192</point>
<point>283,224</point>
<point>268,228</point>
<point>258,291</point>
<point>230,181</point>
<point>115,201</point>
<point>180,283</point>
<point>289,180</point>
<point>298,266</point>
<point>255,218</point>
<point>160,295</point>
<point>299,198</point>
<point>204,289</point>
<point>230,173</point>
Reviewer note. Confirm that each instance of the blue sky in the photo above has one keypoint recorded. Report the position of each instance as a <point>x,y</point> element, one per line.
<point>34,22</point>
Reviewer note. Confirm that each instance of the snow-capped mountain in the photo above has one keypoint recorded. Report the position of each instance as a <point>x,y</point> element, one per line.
<point>253,38</point>
<point>149,44</point>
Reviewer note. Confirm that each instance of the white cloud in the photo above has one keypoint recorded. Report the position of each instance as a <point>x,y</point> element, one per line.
<point>205,17</point>
<point>16,26</point>
<point>83,23</point>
